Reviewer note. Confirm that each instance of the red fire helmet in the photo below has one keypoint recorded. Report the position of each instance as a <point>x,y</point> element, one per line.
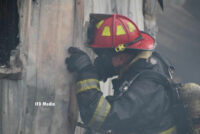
<point>119,32</point>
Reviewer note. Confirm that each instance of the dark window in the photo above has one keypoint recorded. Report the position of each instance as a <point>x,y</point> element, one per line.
<point>9,19</point>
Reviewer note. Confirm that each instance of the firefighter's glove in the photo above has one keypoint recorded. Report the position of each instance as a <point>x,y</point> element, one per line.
<point>78,61</point>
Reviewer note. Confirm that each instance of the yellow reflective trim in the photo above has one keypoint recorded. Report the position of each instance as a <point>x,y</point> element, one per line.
<point>98,25</point>
<point>85,81</point>
<point>105,113</point>
<point>131,27</point>
<point>120,30</point>
<point>106,31</point>
<point>172,130</point>
<point>88,88</point>
<point>96,111</point>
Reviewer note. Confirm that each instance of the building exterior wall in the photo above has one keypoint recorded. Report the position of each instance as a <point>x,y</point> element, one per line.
<point>47,28</point>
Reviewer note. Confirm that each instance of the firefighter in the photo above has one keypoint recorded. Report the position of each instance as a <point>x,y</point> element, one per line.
<point>139,107</point>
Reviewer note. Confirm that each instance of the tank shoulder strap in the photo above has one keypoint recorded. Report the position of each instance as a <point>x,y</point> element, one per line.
<point>167,63</point>
<point>171,88</point>
<point>146,74</point>
<point>153,75</point>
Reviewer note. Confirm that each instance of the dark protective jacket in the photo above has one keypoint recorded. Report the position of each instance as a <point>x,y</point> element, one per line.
<point>142,109</point>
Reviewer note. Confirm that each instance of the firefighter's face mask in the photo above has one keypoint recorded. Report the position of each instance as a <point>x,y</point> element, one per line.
<point>104,66</point>
<point>109,63</point>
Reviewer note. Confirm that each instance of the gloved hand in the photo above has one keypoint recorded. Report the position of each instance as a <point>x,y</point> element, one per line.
<point>79,61</point>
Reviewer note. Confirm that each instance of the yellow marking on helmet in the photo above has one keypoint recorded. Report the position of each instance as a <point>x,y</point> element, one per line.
<point>120,30</point>
<point>98,25</point>
<point>131,27</point>
<point>120,47</point>
<point>106,31</point>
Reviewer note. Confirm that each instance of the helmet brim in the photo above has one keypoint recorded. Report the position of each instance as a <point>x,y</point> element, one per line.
<point>147,43</point>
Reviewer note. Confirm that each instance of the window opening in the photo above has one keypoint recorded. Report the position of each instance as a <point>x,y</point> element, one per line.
<point>9,20</point>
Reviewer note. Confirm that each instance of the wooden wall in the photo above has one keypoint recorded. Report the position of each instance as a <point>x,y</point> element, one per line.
<point>47,29</point>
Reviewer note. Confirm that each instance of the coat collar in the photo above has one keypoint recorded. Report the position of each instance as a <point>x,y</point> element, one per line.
<point>135,68</point>
<point>139,62</point>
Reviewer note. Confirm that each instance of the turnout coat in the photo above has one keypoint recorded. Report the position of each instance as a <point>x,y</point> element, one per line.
<point>140,106</point>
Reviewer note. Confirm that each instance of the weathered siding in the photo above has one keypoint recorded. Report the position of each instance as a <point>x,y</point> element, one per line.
<point>47,29</point>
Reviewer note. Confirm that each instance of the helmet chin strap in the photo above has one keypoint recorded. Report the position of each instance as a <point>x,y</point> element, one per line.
<point>141,55</point>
